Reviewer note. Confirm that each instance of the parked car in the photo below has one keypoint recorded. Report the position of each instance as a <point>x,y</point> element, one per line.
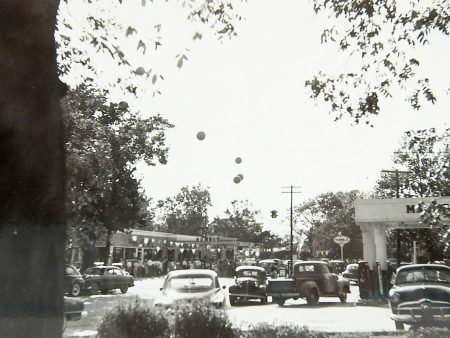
<point>337,266</point>
<point>420,295</point>
<point>74,281</point>
<point>269,265</point>
<point>351,273</point>
<point>250,283</point>
<point>311,280</point>
<point>73,310</point>
<point>191,286</point>
<point>105,278</point>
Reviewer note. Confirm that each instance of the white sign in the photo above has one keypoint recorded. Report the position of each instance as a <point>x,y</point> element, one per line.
<point>394,212</point>
<point>341,240</point>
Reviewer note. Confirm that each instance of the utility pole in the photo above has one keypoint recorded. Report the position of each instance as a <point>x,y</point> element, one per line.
<point>292,192</point>
<point>397,195</point>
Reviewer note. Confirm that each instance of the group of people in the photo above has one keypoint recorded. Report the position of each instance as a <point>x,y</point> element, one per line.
<point>155,268</point>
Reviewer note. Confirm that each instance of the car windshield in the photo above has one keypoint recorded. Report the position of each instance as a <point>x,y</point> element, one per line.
<point>93,271</point>
<point>423,275</point>
<point>247,273</point>
<point>352,267</point>
<point>190,284</point>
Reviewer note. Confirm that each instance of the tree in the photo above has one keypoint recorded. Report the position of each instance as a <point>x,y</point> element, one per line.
<point>187,212</point>
<point>103,143</point>
<point>322,218</point>
<point>425,155</point>
<point>380,35</point>
<point>241,222</point>
<point>32,193</point>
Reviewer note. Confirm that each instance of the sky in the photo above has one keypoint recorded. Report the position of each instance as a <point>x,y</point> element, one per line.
<point>247,95</point>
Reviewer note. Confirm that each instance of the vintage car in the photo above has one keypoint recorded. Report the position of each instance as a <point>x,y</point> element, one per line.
<point>105,278</point>
<point>269,265</point>
<point>311,280</point>
<point>250,283</point>
<point>73,310</point>
<point>74,282</point>
<point>183,287</point>
<point>420,295</point>
<point>351,273</point>
<point>337,266</point>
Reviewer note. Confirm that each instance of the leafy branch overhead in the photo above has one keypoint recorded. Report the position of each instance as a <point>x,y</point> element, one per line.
<point>379,35</point>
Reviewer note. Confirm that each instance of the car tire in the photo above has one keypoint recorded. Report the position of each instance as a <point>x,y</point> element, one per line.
<point>343,296</point>
<point>280,301</point>
<point>313,297</point>
<point>124,289</point>
<point>95,289</point>
<point>75,291</point>
<point>232,300</point>
<point>399,326</point>
<point>264,301</point>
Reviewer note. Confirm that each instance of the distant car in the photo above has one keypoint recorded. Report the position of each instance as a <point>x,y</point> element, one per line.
<point>74,282</point>
<point>420,295</point>
<point>269,265</point>
<point>351,273</point>
<point>250,284</point>
<point>73,310</point>
<point>337,266</point>
<point>105,278</point>
<point>191,286</point>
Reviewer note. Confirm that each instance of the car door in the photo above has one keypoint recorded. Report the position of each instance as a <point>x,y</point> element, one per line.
<point>108,279</point>
<point>329,280</point>
<point>119,279</point>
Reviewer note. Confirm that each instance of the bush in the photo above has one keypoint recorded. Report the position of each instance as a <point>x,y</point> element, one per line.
<point>200,321</point>
<point>282,331</point>
<point>133,321</point>
<point>429,332</point>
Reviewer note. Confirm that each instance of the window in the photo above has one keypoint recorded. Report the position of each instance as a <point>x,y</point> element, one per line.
<point>118,272</point>
<point>110,272</point>
<point>70,271</point>
<point>306,268</point>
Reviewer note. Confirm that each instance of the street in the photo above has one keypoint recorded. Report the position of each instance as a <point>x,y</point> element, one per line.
<point>329,315</point>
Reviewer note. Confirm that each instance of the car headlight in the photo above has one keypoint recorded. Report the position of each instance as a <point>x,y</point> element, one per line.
<point>395,298</point>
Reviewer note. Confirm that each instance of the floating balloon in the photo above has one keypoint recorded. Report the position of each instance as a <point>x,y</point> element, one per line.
<point>237,179</point>
<point>201,135</point>
<point>238,160</point>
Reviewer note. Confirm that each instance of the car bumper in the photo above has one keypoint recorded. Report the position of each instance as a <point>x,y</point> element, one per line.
<point>247,295</point>
<point>417,318</point>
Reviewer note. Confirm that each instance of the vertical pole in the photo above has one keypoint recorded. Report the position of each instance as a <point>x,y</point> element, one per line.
<point>292,244</point>
<point>398,231</point>
<point>414,252</point>
<point>342,252</point>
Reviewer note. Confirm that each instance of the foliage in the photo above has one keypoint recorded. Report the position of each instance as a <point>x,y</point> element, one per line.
<point>424,154</point>
<point>266,330</point>
<point>133,321</point>
<point>428,332</point>
<point>187,212</point>
<point>93,34</point>
<point>322,218</point>
<point>380,35</point>
<point>103,144</point>
<point>202,321</point>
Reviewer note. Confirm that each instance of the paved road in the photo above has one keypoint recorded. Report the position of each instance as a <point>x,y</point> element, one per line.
<point>329,315</point>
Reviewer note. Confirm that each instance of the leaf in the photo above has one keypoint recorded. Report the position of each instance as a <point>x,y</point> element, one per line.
<point>130,31</point>
<point>142,45</point>
<point>197,35</point>
<point>143,2</point>
<point>140,71</point>
<point>180,62</point>
<point>154,78</point>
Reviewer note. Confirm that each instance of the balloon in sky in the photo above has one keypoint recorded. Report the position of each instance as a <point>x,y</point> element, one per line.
<point>201,135</point>
<point>237,179</point>
<point>238,160</point>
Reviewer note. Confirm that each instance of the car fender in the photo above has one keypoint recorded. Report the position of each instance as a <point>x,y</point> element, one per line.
<point>343,285</point>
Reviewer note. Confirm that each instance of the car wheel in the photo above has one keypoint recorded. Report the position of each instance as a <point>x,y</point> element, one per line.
<point>76,290</point>
<point>313,297</point>
<point>399,326</point>
<point>124,289</point>
<point>95,288</point>
<point>343,296</point>
<point>232,300</point>
<point>264,300</point>
<point>280,301</point>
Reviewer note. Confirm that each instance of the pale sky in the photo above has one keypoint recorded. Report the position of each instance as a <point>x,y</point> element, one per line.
<point>247,94</point>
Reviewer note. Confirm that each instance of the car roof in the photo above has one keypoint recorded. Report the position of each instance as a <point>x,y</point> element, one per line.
<point>249,267</point>
<point>192,272</point>
<point>422,266</point>
<point>266,261</point>
<point>310,262</point>
<point>103,267</point>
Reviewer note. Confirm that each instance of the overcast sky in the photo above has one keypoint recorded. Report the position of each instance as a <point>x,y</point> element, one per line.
<point>247,94</point>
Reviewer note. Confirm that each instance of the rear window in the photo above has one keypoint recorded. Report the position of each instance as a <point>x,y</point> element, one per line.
<point>247,273</point>
<point>190,284</point>
<point>306,268</point>
<point>93,271</point>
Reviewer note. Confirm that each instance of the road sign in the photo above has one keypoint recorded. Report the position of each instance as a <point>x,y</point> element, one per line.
<point>341,240</point>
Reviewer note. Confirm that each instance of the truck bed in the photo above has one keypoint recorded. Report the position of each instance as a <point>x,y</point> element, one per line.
<point>282,287</point>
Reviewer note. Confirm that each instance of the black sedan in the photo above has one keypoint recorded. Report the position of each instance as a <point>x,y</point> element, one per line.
<point>105,278</point>
<point>351,272</point>
<point>420,295</point>
<point>74,282</point>
<point>250,284</point>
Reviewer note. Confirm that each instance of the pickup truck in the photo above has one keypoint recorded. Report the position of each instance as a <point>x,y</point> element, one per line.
<point>311,280</point>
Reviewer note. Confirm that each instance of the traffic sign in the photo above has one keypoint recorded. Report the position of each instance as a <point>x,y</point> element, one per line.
<point>341,240</point>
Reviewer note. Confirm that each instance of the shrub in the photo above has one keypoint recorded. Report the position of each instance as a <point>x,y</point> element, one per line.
<point>429,332</point>
<point>266,330</point>
<point>199,321</point>
<point>133,321</point>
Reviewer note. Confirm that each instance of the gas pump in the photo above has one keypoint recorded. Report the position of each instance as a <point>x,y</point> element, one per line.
<point>365,280</point>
